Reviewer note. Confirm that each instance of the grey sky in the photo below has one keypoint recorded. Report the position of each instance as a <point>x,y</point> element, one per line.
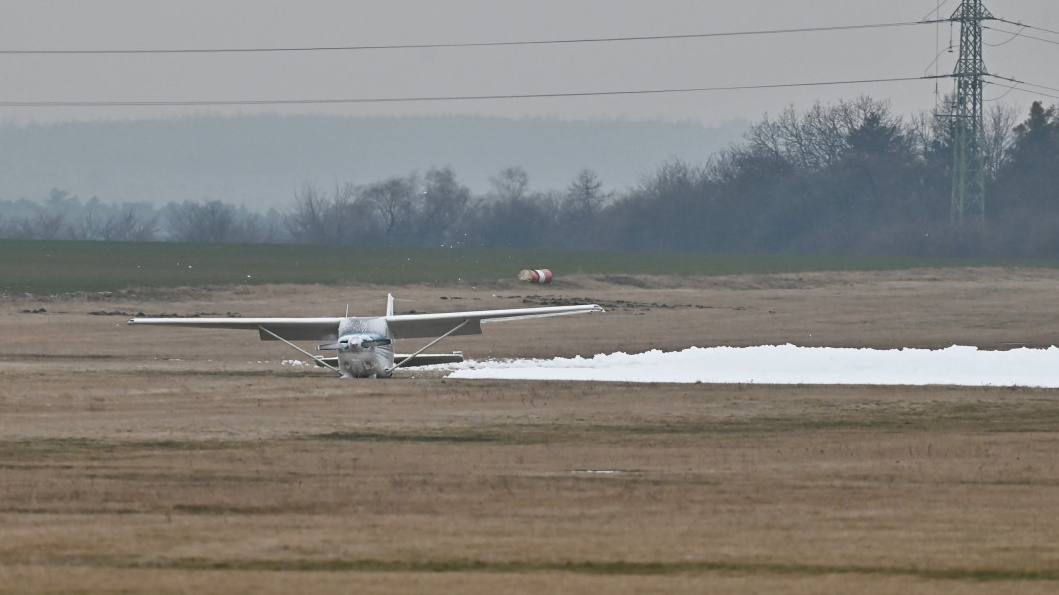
<point>559,68</point>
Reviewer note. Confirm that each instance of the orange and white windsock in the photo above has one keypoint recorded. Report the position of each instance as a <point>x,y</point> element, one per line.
<point>535,275</point>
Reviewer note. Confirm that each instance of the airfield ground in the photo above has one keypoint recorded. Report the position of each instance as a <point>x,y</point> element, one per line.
<point>195,461</point>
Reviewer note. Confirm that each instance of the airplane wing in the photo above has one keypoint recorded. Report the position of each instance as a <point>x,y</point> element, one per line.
<point>291,329</point>
<point>407,326</point>
<point>403,326</point>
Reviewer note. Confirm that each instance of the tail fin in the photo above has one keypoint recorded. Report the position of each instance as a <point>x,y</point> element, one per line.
<point>389,304</point>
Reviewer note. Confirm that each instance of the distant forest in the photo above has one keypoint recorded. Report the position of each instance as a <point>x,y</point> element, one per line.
<point>848,178</point>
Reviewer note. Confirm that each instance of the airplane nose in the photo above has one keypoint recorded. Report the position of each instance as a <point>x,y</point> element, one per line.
<point>347,343</point>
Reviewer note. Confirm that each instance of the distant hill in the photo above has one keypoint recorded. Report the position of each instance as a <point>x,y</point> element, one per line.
<point>260,161</point>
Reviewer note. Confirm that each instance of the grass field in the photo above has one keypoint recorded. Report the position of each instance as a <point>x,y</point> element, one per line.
<point>232,484</point>
<point>134,461</point>
<point>63,267</point>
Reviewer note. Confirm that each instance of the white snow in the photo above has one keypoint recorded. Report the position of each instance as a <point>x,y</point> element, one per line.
<point>788,364</point>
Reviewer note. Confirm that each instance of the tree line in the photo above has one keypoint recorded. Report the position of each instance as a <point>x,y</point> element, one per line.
<point>845,178</point>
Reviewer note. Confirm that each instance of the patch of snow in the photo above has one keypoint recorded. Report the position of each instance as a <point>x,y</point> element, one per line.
<point>788,364</point>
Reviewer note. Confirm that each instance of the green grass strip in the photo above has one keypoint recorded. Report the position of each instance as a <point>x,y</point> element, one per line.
<point>51,267</point>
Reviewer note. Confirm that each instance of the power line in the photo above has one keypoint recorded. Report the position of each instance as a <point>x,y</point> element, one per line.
<point>1042,29</point>
<point>468,44</point>
<point>1016,34</point>
<point>1017,86</point>
<point>1018,82</point>
<point>412,99</point>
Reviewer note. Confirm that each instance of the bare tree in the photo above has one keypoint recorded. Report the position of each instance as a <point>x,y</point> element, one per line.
<point>212,222</point>
<point>443,203</point>
<point>344,222</point>
<point>999,137</point>
<point>820,137</point>
<point>127,226</point>
<point>260,229</point>
<point>392,200</point>
<point>45,225</point>
<point>512,183</point>
<point>307,219</point>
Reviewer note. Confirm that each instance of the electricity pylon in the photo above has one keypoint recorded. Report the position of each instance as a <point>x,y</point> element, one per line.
<point>968,174</point>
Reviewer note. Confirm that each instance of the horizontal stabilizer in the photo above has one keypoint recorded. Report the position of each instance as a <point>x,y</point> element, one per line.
<point>430,359</point>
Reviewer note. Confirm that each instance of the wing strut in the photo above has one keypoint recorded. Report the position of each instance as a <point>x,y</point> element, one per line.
<point>429,345</point>
<point>316,358</point>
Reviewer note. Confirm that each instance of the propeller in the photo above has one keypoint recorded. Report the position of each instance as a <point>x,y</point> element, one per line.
<point>347,342</point>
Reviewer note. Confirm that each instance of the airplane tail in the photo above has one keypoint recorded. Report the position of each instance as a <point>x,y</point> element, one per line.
<point>389,304</point>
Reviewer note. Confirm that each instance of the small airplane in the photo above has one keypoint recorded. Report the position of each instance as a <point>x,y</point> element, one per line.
<point>364,344</point>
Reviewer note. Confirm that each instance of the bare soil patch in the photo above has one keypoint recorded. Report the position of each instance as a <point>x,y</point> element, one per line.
<point>177,461</point>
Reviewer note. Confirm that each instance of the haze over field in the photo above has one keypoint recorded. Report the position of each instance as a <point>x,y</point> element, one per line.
<point>262,161</point>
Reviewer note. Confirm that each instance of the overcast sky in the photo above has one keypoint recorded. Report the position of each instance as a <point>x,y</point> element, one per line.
<point>875,53</point>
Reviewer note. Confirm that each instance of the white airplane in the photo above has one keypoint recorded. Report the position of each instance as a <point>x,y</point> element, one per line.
<point>364,344</point>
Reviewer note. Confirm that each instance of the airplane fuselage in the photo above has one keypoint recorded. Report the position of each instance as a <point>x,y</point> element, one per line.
<point>365,348</point>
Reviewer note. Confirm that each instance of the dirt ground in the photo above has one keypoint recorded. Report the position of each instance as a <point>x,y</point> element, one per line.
<point>139,459</point>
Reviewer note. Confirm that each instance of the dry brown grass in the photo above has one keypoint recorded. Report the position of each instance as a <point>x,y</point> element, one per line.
<point>191,461</point>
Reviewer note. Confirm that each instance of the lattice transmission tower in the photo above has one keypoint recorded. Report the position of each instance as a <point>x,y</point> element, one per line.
<point>968,174</point>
